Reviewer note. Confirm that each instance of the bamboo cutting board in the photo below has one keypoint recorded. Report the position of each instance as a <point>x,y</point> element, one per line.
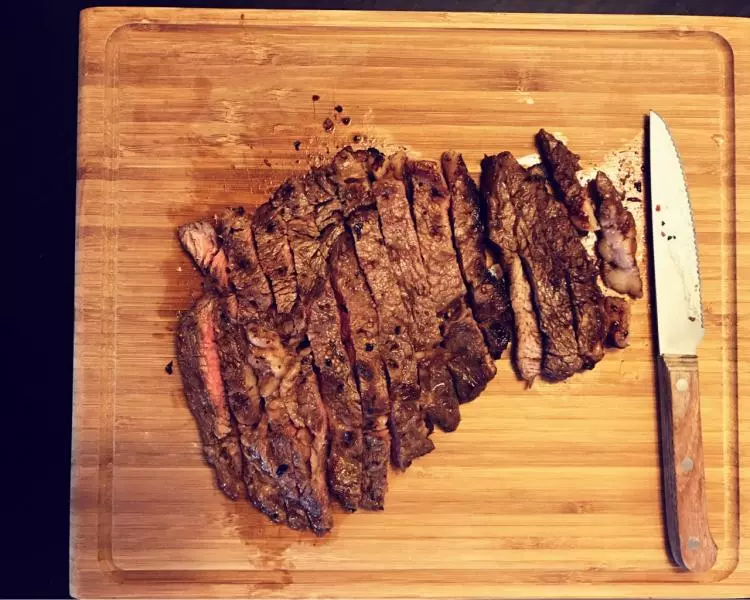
<point>547,492</point>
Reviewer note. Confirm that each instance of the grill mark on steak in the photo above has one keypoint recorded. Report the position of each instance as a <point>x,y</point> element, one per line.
<point>486,285</point>
<point>361,334</point>
<point>274,253</point>
<point>204,390</point>
<point>617,240</point>
<point>340,397</point>
<point>469,361</point>
<point>501,225</point>
<point>563,165</point>
<point>586,298</point>
<point>438,393</point>
<point>409,434</point>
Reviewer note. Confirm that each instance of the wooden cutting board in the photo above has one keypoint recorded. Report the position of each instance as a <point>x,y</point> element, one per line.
<point>547,492</point>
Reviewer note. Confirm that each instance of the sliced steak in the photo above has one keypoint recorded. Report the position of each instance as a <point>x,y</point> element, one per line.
<point>563,167</point>
<point>546,273</point>
<point>361,334</point>
<point>310,248</point>
<point>469,362</point>
<point>351,172</point>
<point>247,278</point>
<point>200,241</point>
<point>246,404</point>
<point>274,252</point>
<point>409,434</point>
<point>321,192</point>
<point>200,369</point>
<point>501,224</point>
<point>617,240</point>
<point>286,451</point>
<point>298,439</point>
<point>617,312</point>
<point>438,394</point>
<point>486,284</point>
<point>581,273</point>
<point>340,397</point>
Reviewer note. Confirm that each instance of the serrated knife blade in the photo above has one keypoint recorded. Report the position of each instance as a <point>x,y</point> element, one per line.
<point>678,288</point>
<point>679,317</point>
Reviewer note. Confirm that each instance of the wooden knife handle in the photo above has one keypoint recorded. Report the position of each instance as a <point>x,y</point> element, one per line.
<point>690,540</point>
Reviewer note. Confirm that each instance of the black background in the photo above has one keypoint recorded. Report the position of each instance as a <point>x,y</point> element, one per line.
<point>39,213</point>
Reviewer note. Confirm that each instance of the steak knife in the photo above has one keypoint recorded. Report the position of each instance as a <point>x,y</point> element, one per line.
<point>679,315</point>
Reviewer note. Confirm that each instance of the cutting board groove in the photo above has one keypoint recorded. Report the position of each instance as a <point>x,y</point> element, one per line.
<point>548,492</point>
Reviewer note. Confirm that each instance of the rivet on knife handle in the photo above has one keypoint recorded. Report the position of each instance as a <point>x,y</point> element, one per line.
<point>690,540</point>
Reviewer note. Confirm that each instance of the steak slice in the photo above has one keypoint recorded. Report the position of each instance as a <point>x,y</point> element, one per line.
<point>322,326</point>
<point>200,241</point>
<point>617,241</point>
<point>581,273</point>
<point>409,434</point>
<point>563,167</point>
<point>246,404</point>
<point>470,362</point>
<point>298,440</point>
<point>617,311</point>
<point>247,279</point>
<point>198,359</point>
<point>535,236</point>
<point>274,253</point>
<point>321,192</point>
<point>486,284</point>
<point>340,397</point>
<point>438,394</point>
<point>351,170</point>
<point>361,334</point>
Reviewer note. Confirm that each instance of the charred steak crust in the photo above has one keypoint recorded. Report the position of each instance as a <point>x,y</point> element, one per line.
<point>563,167</point>
<point>617,240</point>
<point>486,285</point>
<point>340,397</point>
<point>438,394</point>
<point>361,334</point>
<point>409,434</point>
<point>469,361</point>
<point>200,370</point>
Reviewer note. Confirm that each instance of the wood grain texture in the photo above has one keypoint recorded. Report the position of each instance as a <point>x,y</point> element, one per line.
<point>685,507</point>
<point>548,492</point>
